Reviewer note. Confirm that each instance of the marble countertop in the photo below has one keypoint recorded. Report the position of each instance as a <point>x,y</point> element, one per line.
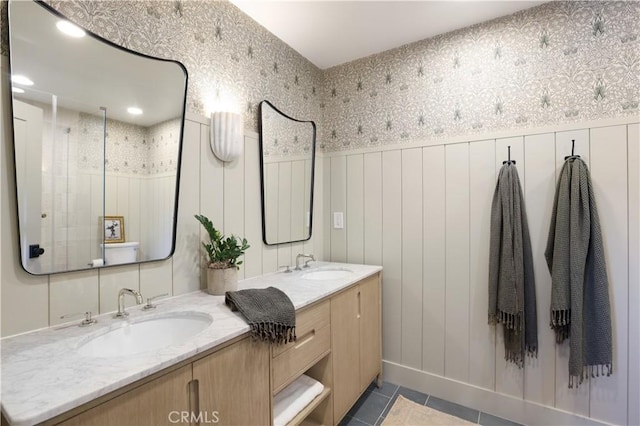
<point>43,375</point>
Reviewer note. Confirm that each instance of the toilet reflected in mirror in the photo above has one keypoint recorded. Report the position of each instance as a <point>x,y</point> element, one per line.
<point>118,253</point>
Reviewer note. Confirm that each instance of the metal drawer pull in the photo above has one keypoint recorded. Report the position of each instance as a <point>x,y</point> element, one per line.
<point>306,338</point>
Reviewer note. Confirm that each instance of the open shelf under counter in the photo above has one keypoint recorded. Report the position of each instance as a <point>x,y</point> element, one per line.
<point>302,418</point>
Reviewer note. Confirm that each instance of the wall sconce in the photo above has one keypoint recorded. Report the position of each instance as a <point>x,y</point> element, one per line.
<point>226,135</point>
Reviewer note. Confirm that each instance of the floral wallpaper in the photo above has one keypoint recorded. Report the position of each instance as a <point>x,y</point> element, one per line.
<point>556,63</point>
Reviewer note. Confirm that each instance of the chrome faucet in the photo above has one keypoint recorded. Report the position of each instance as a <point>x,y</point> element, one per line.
<point>302,256</point>
<point>121,312</point>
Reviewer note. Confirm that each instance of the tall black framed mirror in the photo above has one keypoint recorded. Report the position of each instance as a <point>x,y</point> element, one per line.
<point>287,163</point>
<point>97,135</point>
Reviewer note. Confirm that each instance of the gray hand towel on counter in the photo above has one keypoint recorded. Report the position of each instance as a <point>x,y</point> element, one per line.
<point>580,307</point>
<point>512,294</point>
<point>268,311</point>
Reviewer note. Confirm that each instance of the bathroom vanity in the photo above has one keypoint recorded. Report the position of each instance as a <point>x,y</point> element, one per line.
<point>219,375</point>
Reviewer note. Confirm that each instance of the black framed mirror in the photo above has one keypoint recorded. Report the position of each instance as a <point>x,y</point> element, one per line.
<point>287,163</point>
<point>97,136</point>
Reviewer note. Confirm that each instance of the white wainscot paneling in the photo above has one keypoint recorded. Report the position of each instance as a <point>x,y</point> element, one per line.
<point>298,230</point>
<point>482,180</point>
<point>326,218</point>
<point>434,274</point>
<point>156,278</point>
<point>462,357</point>
<point>412,257</point>
<point>539,372</point>
<point>284,211</point>
<point>186,260</point>
<point>312,245</point>
<point>270,254</point>
<point>392,255</point>
<point>456,347</point>
<point>70,293</point>
<point>633,143</point>
<point>372,208</point>
<point>233,204</point>
<point>112,280</point>
<point>252,208</point>
<point>339,205</point>
<point>608,395</point>
<point>355,208</point>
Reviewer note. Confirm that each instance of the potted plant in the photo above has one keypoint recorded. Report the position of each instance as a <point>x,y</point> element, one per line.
<point>223,253</point>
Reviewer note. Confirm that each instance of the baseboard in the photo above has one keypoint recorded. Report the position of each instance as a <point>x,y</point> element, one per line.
<point>505,406</point>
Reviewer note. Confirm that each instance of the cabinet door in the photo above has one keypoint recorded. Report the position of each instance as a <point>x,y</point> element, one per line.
<point>345,349</point>
<point>370,332</point>
<point>159,402</point>
<point>233,384</point>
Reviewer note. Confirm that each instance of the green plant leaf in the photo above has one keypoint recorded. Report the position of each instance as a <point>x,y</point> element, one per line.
<point>223,252</point>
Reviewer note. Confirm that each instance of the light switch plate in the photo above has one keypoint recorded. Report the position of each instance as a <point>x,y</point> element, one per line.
<point>338,220</point>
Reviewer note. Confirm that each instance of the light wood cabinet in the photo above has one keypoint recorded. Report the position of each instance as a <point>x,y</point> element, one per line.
<point>158,402</point>
<point>355,343</point>
<point>345,349</point>
<point>312,344</point>
<point>370,331</point>
<point>234,384</point>
<point>339,344</point>
<point>309,355</point>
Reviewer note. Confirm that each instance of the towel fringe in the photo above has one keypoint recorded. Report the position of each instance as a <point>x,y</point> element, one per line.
<point>273,332</point>
<point>509,320</point>
<point>593,371</point>
<point>514,357</point>
<point>560,322</point>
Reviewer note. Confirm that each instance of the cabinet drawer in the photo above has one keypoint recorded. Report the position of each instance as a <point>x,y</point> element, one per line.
<point>302,355</point>
<point>309,319</point>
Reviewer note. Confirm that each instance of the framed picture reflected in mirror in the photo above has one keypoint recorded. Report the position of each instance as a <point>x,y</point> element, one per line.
<point>113,229</point>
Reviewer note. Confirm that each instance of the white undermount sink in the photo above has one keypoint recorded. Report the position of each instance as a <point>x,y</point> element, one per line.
<point>327,274</point>
<point>145,334</point>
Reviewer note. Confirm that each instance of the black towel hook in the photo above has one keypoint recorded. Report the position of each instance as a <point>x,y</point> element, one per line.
<point>509,161</point>
<point>573,146</point>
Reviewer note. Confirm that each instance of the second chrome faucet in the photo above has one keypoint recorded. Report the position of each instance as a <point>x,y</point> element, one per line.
<point>303,256</point>
<point>121,311</point>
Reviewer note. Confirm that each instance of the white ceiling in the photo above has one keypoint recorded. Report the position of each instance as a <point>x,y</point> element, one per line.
<point>330,33</point>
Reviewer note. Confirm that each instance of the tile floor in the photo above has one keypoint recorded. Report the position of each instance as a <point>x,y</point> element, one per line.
<point>373,405</point>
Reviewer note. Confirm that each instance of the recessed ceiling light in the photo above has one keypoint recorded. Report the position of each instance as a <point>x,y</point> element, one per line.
<point>134,111</point>
<point>17,90</point>
<point>70,29</point>
<point>21,80</point>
